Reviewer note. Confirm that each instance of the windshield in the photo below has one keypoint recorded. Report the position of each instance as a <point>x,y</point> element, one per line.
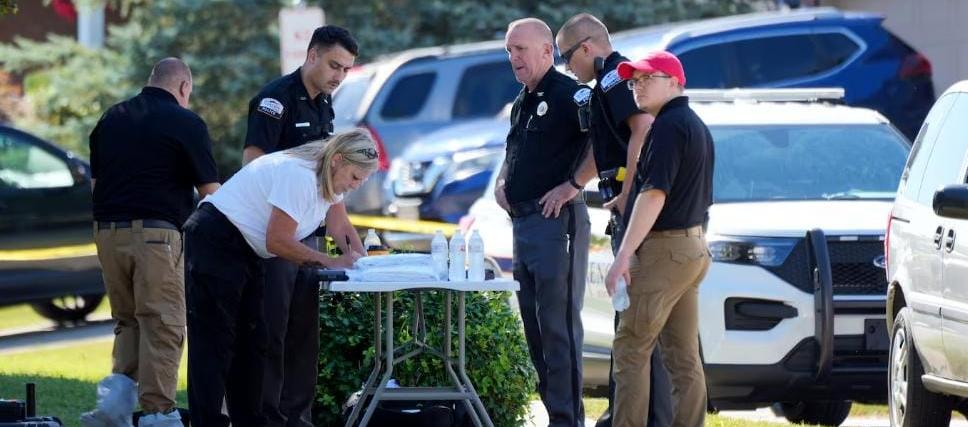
<point>347,99</point>
<point>807,162</point>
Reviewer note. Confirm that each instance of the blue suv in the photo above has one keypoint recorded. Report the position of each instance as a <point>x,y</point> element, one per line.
<point>818,47</point>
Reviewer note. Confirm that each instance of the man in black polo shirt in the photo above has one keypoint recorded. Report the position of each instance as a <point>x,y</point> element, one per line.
<point>618,131</point>
<point>288,112</point>
<point>147,154</point>
<point>544,146</point>
<point>663,256</point>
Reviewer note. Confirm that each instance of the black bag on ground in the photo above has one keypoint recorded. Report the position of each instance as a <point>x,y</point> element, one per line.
<point>411,413</point>
<point>19,413</point>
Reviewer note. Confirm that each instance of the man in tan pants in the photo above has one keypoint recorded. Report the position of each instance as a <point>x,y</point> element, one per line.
<point>663,256</point>
<point>148,153</point>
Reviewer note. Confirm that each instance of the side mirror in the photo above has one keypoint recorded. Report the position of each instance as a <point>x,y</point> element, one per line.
<point>80,172</point>
<point>951,201</point>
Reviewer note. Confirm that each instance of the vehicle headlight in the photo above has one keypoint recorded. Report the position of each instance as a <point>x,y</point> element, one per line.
<point>769,252</point>
<point>418,177</point>
<point>471,162</point>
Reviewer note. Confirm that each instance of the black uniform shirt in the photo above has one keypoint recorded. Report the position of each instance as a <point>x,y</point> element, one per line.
<point>611,106</point>
<point>545,140</point>
<point>678,159</point>
<point>147,154</point>
<point>283,115</point>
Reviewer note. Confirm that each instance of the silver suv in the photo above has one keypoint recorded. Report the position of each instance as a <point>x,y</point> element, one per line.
<point>415,92</point>
<point>927,270</point>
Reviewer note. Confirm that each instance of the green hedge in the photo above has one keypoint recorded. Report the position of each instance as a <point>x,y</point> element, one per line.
<point>497,356</point>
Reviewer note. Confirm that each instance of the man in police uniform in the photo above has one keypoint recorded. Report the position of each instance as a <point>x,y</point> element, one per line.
<point>618,131</point>
<point>663,256</point>
<point>288,112</point>
<point>147,155</point>
<point>544,146</point>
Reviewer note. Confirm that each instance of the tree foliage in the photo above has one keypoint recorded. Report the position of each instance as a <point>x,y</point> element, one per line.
<point>384,26</point>
<point>232,48</point>
<point>8,7</point>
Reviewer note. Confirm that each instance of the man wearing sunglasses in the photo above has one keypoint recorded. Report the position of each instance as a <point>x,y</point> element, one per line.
<point>618,131</point>
<point>288,112</point>
<point>544,146</point>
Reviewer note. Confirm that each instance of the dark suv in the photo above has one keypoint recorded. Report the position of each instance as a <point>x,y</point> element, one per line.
<point>415,92</point>
<point>47,254</point>
<point>927,271</point>
<point>810,47</point>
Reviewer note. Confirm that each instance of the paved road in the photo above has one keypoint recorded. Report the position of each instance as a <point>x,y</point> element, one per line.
<point>33,338</point>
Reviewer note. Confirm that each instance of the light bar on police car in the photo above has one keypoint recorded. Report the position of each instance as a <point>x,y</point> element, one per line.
<point>775,95</point>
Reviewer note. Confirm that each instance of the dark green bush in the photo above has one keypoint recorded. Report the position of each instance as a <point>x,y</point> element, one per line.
<point>497,356</point>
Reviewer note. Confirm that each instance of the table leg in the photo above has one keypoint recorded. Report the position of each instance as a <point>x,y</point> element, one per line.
<point>461,317</point>
<point>388,354</point>
<point>377,363</point>
<point>449,359</point>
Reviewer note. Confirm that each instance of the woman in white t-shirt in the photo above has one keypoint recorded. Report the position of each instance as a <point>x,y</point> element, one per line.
<point>263,211</point>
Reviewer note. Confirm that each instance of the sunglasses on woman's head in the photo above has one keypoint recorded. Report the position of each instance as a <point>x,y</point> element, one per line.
<point>370,153</point>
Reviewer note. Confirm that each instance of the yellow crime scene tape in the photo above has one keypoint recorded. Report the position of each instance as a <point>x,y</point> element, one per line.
<point>406,225</point>
<point>360,221</point>
<point>40,254</point>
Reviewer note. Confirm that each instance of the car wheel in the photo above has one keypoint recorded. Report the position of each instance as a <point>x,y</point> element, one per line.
<point>910,404</point>
<point>825,412</point>
<point>68,308</point>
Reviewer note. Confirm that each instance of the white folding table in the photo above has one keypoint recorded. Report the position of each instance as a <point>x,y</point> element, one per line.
<point>376,387</point>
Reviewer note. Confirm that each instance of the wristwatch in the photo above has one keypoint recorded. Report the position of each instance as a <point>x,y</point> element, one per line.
<point>571,180</point>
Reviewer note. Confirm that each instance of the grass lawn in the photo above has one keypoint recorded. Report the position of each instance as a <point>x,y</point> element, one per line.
<point>66,378</point>
<point>18,316</point>
<point>869,411</point>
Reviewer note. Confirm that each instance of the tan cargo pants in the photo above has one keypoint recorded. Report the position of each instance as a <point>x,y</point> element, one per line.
<point>666,273</point>
<point>143,271</point>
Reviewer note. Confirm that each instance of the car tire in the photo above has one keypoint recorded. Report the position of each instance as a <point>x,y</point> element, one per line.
<point>910,404</point>
<point>824,412</point>
<point>68,308</point>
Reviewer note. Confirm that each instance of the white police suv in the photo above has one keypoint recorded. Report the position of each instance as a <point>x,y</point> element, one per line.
<point>792,309</point>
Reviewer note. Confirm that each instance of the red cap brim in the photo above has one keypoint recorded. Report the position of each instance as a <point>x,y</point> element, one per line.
<point>627,69</point>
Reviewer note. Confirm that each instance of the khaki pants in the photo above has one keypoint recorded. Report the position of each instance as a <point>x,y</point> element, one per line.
<point>143,271</point>
<point>666,273</point>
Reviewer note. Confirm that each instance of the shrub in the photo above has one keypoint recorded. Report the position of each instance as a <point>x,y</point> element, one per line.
<point>497,357</point>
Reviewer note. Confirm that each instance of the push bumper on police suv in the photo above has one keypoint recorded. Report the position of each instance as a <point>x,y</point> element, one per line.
<point>804,326</point>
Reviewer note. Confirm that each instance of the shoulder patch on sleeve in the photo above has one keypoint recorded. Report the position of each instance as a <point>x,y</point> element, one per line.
<point>582,96</point>
<point>610,80</point>
<point>271,107</point>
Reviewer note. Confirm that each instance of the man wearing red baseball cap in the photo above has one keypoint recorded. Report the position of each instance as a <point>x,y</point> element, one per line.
<point>663,256</point>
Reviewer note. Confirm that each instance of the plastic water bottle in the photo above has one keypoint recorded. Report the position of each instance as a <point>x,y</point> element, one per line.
<point>373,244</point>
<point>438,253</point>
<point>620,300</point>
<point>458,256</point>
<point>475,258</point>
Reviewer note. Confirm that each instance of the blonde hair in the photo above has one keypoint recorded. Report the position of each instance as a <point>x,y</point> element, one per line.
<point>353,146</point>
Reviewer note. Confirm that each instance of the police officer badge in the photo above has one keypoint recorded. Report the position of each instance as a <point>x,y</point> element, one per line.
<point>542,108</point>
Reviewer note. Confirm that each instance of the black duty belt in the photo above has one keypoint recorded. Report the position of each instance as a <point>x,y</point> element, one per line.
<point>528,207</point>
<point>145,223</point>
